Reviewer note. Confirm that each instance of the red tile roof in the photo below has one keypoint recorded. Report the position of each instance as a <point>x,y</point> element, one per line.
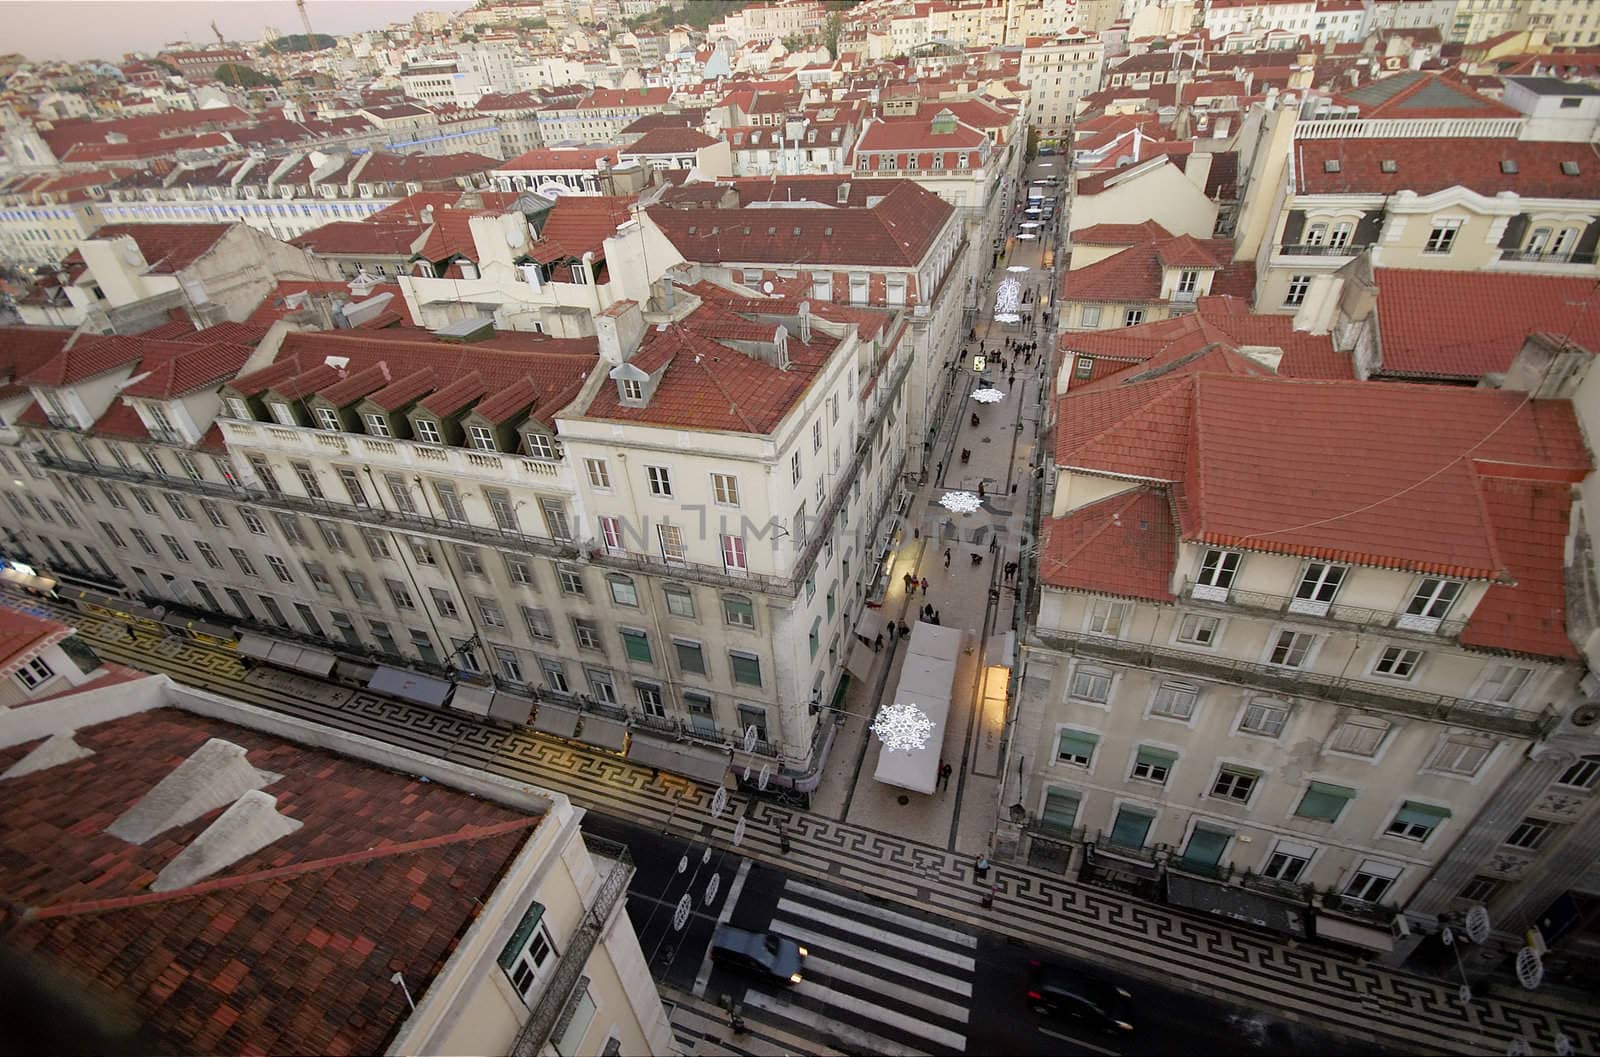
<point>23,635</point>
<point>899,229</point>
<point>1134,275</point>
<point>1124,545</point>
<point>1530,526</point>
<point>360,236</point>
<point>288,950</point>
<point>168,248</point>
<point>25,349</point>
<point>579,224</point>
<point>669,141</point>
<point>92,356</point>
<point>560,160</point>
<point>1468,324</point>
<point>1120,234</point>
<point>1427,165</point>
<point>1398,467</point>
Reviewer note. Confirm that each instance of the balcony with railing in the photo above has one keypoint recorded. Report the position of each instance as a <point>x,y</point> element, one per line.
<point>1296,682</point>
<point>704,733</point>
<point>1368,913</point>
<point>562,988</point>
<point>398,454</point>
<point>1546,257</point>
<point>1331,614</point>
<point>1318,249</point>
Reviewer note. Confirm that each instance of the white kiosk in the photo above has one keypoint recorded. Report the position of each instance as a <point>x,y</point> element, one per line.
<point>926,681</point>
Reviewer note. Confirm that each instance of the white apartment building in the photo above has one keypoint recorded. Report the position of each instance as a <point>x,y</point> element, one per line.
<point>1058,70</point>
<point>1289,705</point>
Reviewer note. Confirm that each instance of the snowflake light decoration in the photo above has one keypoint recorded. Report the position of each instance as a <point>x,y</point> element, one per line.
<point>960,502</point>
<point>988,396</point>
<point>1007,296</point>
<point>902,727</point>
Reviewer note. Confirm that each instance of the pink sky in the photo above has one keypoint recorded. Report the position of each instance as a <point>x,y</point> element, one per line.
<point>105,29</point>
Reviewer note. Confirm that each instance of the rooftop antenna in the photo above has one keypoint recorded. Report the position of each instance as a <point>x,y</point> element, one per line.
<point>396,978</point>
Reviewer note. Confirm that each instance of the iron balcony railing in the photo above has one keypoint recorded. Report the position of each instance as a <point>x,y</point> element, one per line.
<point>1360,909</point>
<point>559,992</point>
<point>1294,682</point>
<point>708,734</point>
<point>1536,257</point>
<point>1355,618</point>
<point>1317,249</point>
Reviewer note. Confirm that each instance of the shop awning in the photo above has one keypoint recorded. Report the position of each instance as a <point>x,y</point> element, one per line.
<point>696,761</point>
<point>286,654</point>
<point>510,708</point>
<point>1355,933</point>
<point>562,722</point>
<point>606,733</point>
<point>1235,903</point>
<point>410,686</point>
<point>474,699</point>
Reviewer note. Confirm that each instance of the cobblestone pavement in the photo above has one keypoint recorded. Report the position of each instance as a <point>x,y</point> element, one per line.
<point>1395,1009</point>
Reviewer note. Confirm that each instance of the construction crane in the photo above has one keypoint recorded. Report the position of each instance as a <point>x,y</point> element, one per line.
<point>218,32</point>
<point>305,20</point>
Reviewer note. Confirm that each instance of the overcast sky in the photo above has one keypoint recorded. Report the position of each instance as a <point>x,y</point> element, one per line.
<point>105,29</point>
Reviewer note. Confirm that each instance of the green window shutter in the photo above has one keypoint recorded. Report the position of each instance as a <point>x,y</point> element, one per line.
<point>637,645</point>
<point>746,670</point>
<point>1324,801</point>
<point>1078,743</point>
<point>513,947</point>
<point>1061,809</point>
<point>1156,757</point>
<point>1416,814</point>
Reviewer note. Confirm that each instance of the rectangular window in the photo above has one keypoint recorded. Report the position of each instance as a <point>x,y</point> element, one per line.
<point>751,716</point>
<point>733,555</point>
<point>1502,683</point>
<point>1288,861</point>
<point>1076,747</point>
<point>1319,583</point>
<point>289,525</point>
<point>1324,801</point>
<point>1461,754</point>
<point>1235,783</point>
<point>1480,889</point>
<point>1091,684</point>
<point>569,580</point>
<point>1416,821</point>
<point>280,569</point>
<point>34,673</point>
<point>537,621</point>
<point>1089,318</point>
<point>489,612</point>
<point>1107,617</point>
<point>680,602</point>
<point>179,511</point>
<point>1530,833</point>
<point>1060,813</point>
<point>327,418</point>
<point>1133,317</point>
<point>1429,604</point>
<point>471,561</point>
<point>308,479</point>
<point>377,424</point>
<point>1295,295</point>
<point>673,550</point>
<point>1581,775</point>
<point>1198,630</point>
<point>1132,827</point>
<point>1371,881</point>
<point>598,473</point>
<point>332,537</point>
<point>636,645</point>
<point>1217,571</point>
<point>352,485</point>
<point>746,668</point>
<point>1266,718</point>
<point>1397,662</point>
<point>482,438</point>
<point>1175,700</point>
<point>443,604</point>
<point>1152,764</point>
<point>359,588</point>
<point>1442,237</point>
<point>207,553</point>
<point>738,612</point>
<point>449,501</point>
<point>725,489</point>
<point>428,431</point>
<point>400,595</point>
<point>587,633</point>
<point>1359,737</point>
<point>400,492</point>
<point>502,509</point>
<point>377,544</point>
<point>242,560</point>
<point>691,658</point>
<point>1291,648</point>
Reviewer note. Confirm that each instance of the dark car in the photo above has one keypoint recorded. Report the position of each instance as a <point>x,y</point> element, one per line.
<point>763,953</point>
<point>1069,994</point>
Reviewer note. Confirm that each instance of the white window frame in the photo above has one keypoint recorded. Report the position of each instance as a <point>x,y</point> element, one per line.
<point>1085,681</point>
<point>1430,603</point>
<point>1264,706</point>
<point>1317,588</point>
<point>1344,740</point>
<point>1168,702</point>
<point>658,481</point>
<point>1190,630</point>
<point>1219,568</point>
<point>1397,662</point>
<point>1107,617</point>
<point>1297,648</point>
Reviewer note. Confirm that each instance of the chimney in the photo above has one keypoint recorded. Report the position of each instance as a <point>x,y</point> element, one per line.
<point>619,329</point>
<point>427,214</point>
<point>844,193</point>
<point>805,322</point>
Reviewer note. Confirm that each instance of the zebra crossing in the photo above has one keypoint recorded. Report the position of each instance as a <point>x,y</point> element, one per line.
<point>876,980</point>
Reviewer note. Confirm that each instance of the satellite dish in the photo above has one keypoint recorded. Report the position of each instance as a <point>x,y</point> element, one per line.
<point>766,287</point>
<point>131,254</point>
<point>514,238</point>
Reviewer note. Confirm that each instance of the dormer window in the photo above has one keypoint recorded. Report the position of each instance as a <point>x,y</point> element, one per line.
<point>540,446</point>
<point>428,431</point>
<point>632,390</point>
<point>377,425</point>
<point>482,438</point>
<point>283,414</point>
<point>327,418</point>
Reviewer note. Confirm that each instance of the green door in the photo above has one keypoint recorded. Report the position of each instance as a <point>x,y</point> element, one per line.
<point>1206,846</point>
<point>1133,826</point>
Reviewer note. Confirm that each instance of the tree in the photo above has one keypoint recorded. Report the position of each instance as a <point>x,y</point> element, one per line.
<point>832,30</point>
<point>240,76</point>
<point>301,42</point>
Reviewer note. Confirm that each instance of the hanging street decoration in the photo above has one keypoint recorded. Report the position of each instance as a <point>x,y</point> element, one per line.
<point>902,727</point>
<point>961,502</point>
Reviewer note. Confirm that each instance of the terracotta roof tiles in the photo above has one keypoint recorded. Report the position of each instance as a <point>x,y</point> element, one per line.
<point>1124,545</point>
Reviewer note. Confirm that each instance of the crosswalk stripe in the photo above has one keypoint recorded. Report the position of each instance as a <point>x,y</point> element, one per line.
<point>872,910</point>
<point>852,1037</point>
<point>844,974</point>
<point>883,1015</point>
<point>803,913</point>
<point>797,931</point>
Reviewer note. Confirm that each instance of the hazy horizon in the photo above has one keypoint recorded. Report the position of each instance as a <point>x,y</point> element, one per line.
<point>106,29</point>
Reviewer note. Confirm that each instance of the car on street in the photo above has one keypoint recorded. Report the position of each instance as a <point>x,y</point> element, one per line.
<point>761,953</point>
<point>1075,995</point>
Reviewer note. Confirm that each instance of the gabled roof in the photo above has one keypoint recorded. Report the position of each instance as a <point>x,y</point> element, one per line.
<point>669,141</point>
<point>1464,325</point>
<point>188,370</point>
<point>561,159</point>
<point>168,248</point>
<point>1397,470</point>
<point>579,224</point>
<point>1529,519</point>
<point>1418,94</point>
<point>25,349</point>
<point>1134,275</point>
<point>1124,545</point>
<point>1120,234</point>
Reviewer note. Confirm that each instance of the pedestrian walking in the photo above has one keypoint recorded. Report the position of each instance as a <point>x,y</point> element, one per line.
<point>980,490</point>
<point>1011,381</point>
<point>892,631</point>
<point>945,770</point>
<point>927,611</point>
<point>936,618</point>
<point>905,629</point>
<point>994,545</point>
<point>910,582</point>
<point>938,776</point>
<point>947,557</point>
<point>940,471</point>
<point>924,587</point>
<point>877,643</point>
